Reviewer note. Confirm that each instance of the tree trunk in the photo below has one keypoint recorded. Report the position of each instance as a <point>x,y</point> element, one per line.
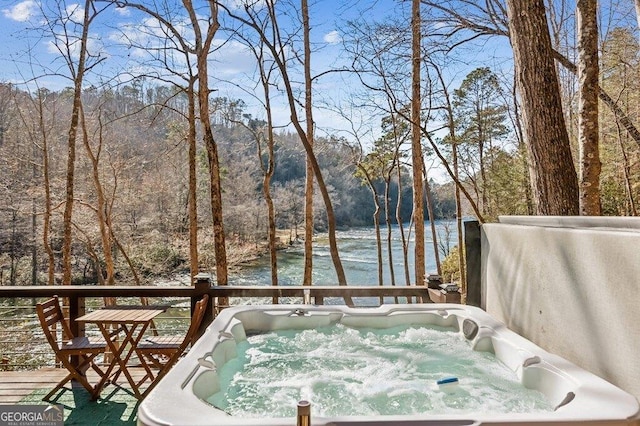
<point>399,219</point>
<point>78,75</point>
<point>193,182</point>
<point>216,205</point>
<point>271,213</point>
<point>308,107</point>
<point>202,48</point>
<point>588,72</point>
<point>553,175</point>
<point>268,172</point>
<point>278,53</point>
<point>46,220</point>
<point>416,145</point>
<point>376,224</point>
<point>626,167</point>
<point>432,224</point>
<point>101,205</point>
<point>483,175</point>
<point>387,217</point>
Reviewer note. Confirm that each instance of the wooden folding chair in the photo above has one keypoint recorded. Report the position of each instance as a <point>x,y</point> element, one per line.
<point>52,321</point>
<point>163,351</point>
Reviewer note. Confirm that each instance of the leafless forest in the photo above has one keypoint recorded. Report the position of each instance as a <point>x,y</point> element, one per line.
<point>139,168</point>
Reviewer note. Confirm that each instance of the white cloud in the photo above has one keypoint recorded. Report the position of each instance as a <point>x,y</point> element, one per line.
<point>22,11</point>
<point>123,11</point>
<point>232,60</point>
<point>75,13</point>
<point>240,4</point>
<point>146,38</point>
<point>332,37</point>
<point>72,47</point>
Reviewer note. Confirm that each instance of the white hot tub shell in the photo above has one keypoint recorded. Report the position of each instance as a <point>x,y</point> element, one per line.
<point>579,396</point>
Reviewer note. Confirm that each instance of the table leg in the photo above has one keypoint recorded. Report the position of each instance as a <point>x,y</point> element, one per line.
<point>114,350</point>
<point>133,339</point>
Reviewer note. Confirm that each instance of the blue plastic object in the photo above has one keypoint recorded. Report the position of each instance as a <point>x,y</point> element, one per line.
<point>448,384</point>
<point>447,380</point>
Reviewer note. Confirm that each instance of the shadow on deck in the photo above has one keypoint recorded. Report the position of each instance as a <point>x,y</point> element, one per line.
<point>116,406</point>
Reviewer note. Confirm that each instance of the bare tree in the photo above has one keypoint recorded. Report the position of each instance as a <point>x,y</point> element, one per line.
<point>417,161</point>
<point>272,38</point>
<point>264,135</point>
<point>162,53</point>
<point>553,175</point>
<point>432,221</point>
<point>364,172</point>
<point>308,109</point>
<point>489,18</point>
<point>452,137</point>
<point>200,49</point>
<point>102,208</point>
<point>35,121</point>
<point>79,62</point>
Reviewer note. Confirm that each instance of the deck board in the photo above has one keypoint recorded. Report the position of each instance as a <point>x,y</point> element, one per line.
<point>17,385</point>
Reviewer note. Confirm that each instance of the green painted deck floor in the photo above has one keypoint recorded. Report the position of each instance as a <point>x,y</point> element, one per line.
<point>117,404</point>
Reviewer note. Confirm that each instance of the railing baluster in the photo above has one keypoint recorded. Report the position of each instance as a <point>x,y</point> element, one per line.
<point>76,296</point>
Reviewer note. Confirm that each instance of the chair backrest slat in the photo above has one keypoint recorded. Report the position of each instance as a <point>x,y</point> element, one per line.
<point>196,319</point>
<point>50,313</point>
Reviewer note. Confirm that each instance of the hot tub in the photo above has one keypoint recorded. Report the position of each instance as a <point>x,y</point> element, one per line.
<point>573,394</point>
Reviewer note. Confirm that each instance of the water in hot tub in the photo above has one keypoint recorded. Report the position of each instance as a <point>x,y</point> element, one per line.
<point>344,371</point>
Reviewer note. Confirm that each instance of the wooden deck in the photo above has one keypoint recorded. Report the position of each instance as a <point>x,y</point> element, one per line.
<point>17,385</point>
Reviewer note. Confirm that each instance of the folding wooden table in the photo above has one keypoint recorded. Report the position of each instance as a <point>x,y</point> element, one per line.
<point>132,322</point>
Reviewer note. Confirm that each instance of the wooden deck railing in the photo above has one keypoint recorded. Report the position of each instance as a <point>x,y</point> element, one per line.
<point>77,294</point>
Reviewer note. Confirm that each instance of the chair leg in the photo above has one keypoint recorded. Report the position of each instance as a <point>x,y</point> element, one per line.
<point>59,386</point>
<point>155,361</point>
<point>149,373</point>
<point>96,368</point>
<point>78,374</point>
<point>163,371</point>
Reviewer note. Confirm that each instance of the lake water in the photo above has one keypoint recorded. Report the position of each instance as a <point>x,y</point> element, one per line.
<point>357,248</point>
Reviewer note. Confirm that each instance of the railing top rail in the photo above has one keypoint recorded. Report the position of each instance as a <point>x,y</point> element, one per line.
<point>316,290</point>
<point>214,291</point>
<point>95,291</point>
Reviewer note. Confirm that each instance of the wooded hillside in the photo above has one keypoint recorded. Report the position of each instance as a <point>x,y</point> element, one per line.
<point>143,174</point>
<point>142,165</point>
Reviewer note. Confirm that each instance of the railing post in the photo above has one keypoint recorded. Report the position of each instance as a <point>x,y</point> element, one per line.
<point>202,286</point>
<point>76,310</point>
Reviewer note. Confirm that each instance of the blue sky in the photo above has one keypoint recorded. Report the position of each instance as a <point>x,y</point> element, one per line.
<point>23,49</point>
<point>22,43</point>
